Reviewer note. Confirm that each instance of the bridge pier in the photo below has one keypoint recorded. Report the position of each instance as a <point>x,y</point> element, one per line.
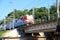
<point>57,34</point>
<point>25,36</point>
<point>32,36</point>
<point>49,35</point>
<point>28,36</point>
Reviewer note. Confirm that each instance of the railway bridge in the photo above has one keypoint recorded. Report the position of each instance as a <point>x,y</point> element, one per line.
<point>49,26</point>
<point>44,29</point>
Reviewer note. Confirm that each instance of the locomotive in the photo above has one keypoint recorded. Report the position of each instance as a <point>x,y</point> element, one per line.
<point>23,20</point>
<point>28,18</point>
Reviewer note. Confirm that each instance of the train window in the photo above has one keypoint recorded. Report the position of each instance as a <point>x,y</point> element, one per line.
<point>15,20</point>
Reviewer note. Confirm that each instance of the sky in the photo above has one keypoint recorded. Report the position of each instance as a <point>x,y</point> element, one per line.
<point>7,6</point>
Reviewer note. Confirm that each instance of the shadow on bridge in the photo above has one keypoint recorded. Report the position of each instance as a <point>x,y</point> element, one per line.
<point>25,36</point>
<point>28,36</point>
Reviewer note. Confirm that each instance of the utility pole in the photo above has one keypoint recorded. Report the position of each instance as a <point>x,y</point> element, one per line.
<point>14,18</point>
<point>57,10</point>
<point>4,23</point>
<point>58,21</point>
<point>57,6</point>
<point>33,12</point>
<point>13,12</point>
<point>48,13</point>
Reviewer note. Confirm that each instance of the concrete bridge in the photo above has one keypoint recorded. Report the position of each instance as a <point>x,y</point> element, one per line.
<point>49,26</point>
<point>48,29</point>
<point>44,29</point>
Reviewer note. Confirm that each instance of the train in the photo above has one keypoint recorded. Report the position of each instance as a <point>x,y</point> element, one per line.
<point>23,20</point>
<point>28,18</point>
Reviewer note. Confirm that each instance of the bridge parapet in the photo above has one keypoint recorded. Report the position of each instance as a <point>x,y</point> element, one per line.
<point>46,26</point>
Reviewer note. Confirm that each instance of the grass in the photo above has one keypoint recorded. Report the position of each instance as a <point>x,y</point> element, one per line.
<point>2,32</point>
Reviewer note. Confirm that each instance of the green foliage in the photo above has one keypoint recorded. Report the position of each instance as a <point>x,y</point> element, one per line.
<point>1,22</point>
<point>53,9</point>
<point>40,13</point>
<point>2,32</point>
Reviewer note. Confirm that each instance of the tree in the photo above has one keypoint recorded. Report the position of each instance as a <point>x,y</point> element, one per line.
<point>53,9</point>
<point>40,13</point>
